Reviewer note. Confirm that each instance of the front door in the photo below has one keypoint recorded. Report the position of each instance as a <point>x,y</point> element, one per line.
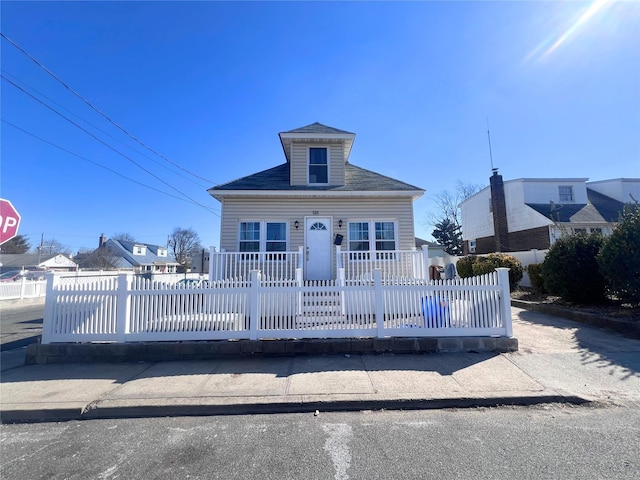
<point>318,248</point>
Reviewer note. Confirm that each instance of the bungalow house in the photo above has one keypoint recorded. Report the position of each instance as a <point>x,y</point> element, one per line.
<point>141,257</point>
<point>316,209</point>
<point>531,213</point>
<point>54,262</point>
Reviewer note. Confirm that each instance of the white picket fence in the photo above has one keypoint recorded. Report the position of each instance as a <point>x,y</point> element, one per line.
<point>23,288</point>
<point>127,309</point>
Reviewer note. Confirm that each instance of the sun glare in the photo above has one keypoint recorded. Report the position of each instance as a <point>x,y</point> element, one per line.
<point>557,40</point>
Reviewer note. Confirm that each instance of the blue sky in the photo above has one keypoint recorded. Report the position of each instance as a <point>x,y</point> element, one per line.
<point>208,85</point>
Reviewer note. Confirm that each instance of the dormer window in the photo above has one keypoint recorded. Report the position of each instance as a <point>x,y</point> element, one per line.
<point>162,252</point>
<point>566,193</point>
<point>139,250</point>
<point>318,166</point>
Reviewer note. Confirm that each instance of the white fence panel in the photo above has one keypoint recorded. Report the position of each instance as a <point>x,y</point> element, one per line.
<point>23,288</point>
<point>135,309</point>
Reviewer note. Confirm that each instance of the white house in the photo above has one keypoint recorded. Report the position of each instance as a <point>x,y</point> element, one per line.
<point>531,213</point>
<point>316,200</point>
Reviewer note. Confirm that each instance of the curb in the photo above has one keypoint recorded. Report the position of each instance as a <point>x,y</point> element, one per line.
<point>93,411</point>
<point>46,354</point>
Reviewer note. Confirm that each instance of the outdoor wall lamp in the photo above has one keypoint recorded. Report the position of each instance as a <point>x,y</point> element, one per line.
<point>296,224</point>
<point>340,223</point>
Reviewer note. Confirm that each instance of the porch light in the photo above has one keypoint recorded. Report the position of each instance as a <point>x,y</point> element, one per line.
<point>340,223</point>
<point>296,224</point>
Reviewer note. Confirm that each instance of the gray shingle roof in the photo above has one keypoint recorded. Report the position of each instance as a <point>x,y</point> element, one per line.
<point>609,208</point>
<point>19,260</point>
<point>125,250</point>
<point>356,179</point>
<point>317,128</point>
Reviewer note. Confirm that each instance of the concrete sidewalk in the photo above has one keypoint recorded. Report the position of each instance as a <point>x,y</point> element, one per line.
<point>558,361</point>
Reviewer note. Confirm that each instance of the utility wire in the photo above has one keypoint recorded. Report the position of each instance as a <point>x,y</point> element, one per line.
<point>97,164</point>
<point>87,102</point>
<point>103,142</point>
<point>16,79</point>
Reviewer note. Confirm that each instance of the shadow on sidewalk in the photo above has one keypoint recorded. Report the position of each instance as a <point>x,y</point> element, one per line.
<point>596,346</point>
<point>444,364</point>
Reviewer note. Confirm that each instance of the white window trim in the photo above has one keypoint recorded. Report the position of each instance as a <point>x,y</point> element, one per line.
<point>372,233</point>
<point>309,147</point>
<point>263,234</point>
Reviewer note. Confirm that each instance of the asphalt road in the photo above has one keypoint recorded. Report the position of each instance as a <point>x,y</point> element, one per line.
<point>551,441</point>
<point>20,323</point>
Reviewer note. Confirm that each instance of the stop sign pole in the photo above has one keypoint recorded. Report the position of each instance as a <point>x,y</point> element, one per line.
<point>9,221</point>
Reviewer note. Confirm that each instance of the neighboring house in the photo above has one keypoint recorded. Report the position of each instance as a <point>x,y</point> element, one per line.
<point>141,257</point>
<point>55,262</point>
<point>316,199</point>
<point>531,213</point>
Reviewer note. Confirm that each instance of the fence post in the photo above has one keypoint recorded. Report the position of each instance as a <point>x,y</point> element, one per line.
<point>342,283</point>
<point>299,283</point>
<point>505,300</point>
<point>213,259</point>
<point>338,257</point>
<point>23,285</point>
<point>300,257</point>
<point>425,262</point>
<point>378,301</point>
<point>123,306</point>
<point>254,305</point>
<point>48,321</point>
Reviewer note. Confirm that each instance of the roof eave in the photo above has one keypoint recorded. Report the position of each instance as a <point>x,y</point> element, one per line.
<point>220,195</point>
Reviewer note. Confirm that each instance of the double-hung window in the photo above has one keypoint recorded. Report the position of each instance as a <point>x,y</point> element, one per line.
<point>565,193</point>
<point>372,236</point>
<point>318,166</point>
<point>263,236</point>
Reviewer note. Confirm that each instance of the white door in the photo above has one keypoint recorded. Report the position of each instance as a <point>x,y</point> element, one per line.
<point>318,248</point>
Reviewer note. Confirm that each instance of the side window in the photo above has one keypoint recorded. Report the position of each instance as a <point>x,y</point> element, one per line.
<point>385,236</point>
<point>318,166</point>
<point>276,237</point>
<point>358,236</point>
<point>249,237</point>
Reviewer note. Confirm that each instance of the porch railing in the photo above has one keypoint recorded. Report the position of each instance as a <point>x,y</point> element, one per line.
<point>239,265</point>
<point>360,265</point>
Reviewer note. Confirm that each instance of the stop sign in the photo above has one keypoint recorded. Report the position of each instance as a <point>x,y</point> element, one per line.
<point>9,221</point>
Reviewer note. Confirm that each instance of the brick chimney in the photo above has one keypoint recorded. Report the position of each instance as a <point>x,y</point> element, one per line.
<point>499,207</point>
<point>102,241</point>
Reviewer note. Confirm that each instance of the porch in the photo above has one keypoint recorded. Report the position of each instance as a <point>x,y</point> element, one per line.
<point>348,265</point>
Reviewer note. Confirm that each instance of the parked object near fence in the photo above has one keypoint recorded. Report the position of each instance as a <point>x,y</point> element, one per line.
<point>127,309</point>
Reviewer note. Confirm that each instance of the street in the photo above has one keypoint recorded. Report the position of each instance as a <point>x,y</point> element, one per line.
<point>546,441</point>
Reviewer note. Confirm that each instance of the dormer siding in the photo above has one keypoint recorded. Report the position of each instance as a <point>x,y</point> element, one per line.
<point>300,162</point>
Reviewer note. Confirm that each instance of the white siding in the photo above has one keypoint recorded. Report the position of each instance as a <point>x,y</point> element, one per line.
<point>235,210</point>
<point>476,217</point>
<point>520,216</point>
<point>620,189</point>
<point>545,191</point>
<point>299,162</point>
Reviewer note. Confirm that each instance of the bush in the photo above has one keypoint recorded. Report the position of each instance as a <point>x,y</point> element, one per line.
<point>464,266</point>
<point>488,264</point>
<point>535,275</point>
<point>619,258</point>
<point>571,271</point>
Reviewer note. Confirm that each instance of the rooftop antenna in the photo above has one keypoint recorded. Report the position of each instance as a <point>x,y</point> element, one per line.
<point>490,153</point>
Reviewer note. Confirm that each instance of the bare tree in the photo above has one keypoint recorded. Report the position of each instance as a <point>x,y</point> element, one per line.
<point>184,243</point>
<point>123,237</point>
<point>51,246</point>
<point>102,258</point>
<point>446,217</point>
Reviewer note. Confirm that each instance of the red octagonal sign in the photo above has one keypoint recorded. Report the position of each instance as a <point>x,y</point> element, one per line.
<point>9,221</point>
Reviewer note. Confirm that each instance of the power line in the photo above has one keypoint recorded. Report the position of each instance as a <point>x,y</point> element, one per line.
<point>100,130</point>
<point>103,142</point>
<point>102,166</point>
<point>87,102</point>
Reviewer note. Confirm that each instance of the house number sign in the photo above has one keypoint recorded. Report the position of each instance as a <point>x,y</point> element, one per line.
<point>315,212</point>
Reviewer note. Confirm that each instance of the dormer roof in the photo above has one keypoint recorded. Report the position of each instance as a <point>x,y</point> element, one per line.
<point>316,132</point>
